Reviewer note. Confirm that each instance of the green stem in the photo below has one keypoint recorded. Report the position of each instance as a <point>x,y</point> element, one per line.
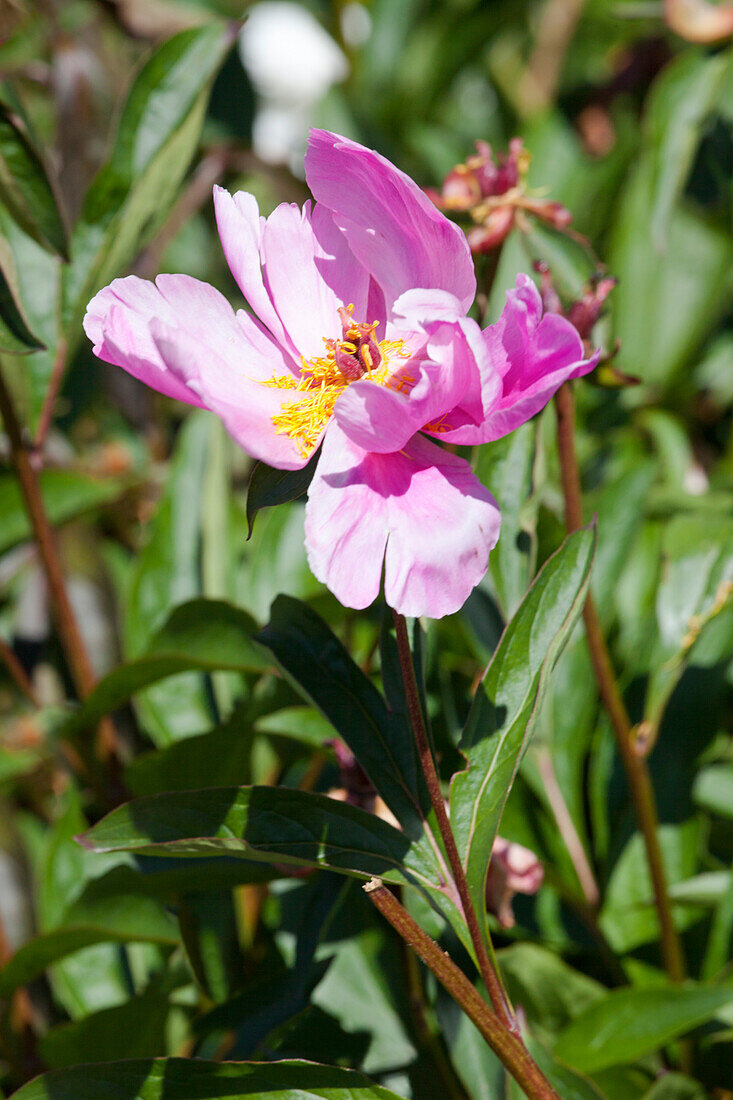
<point>507,1046</point>
<point>427,763</point>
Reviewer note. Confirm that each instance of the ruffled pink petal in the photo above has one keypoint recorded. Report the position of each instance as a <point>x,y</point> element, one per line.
<point>421,395</point>
<point>240,231</point>
<point>532,355</point>
<point>421,510</point>
<point>223,381</point>
<point>118,321</point>
<point>393,228</point>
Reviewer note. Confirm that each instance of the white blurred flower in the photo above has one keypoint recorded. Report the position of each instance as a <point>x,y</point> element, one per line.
<point>292,62</point>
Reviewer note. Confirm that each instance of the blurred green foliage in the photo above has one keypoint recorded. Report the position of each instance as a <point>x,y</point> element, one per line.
<point>116,117</point>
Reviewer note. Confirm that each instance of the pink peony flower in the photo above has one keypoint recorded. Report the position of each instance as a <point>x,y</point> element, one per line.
<point>358,340</point>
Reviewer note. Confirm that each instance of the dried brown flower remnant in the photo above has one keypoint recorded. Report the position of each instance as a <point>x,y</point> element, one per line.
<point>492,190</point>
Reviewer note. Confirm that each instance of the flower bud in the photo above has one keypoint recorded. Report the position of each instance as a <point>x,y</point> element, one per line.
<point>513,869</point>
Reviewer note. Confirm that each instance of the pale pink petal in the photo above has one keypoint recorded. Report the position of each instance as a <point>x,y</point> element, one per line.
<point>222,380</point>
<point>345,521</point>
<point>422,509</point>
<point>240,230</point>
<point>392,226</point>
<point>118,321</point>
<point>296,262</point>
<point>423,393</point>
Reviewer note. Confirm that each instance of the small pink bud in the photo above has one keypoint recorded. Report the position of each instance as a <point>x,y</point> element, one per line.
<point>513,869</point>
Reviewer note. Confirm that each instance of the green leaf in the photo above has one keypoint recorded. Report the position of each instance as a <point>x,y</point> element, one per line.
<point>268,487</point>
<point>93,918</point>
<point>628,918</point>
<point>663,311</point>
<point>320,668</point>
<point>682,97</point>
<point>158,133</point>
<point>273,824</point>
<point>25,187</point>
<point>66,495</point>
<point>675,1086</point>
<point>34,275</point>
<point>182,1078</point>
<point>15,336</point>
<point>506,707</point>
<point>165,573</point>
<point>631,1023</point>
<point>212,759</point>
<point>202,634</point>
<point>713,789</point>
<point>134,1029</point>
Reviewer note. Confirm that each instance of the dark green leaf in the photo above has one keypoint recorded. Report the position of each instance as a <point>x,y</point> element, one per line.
<point>25,187</point>
<point>274,824</point>
<point>506,707</point>
<point>15,336</point>
<point>201,634</point>
<point>135,1029</point>
<point>630,1023</point>
<point>212,759</point>
<point>320,668</point>
<point>183,1078</point>
<point>268,487</point>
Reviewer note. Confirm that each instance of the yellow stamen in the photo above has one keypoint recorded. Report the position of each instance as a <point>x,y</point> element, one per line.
<point>321,383</point>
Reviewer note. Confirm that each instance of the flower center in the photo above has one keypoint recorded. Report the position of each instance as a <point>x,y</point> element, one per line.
<point>324,378</point>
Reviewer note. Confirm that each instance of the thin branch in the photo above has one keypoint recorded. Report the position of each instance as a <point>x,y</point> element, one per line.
<point>635,766</point>
<point>71,638</point>
<point>52,391</point>
<point>17,672</point>
<point>567,830</point>
<point>490,976</point>
<point>507,1046</point>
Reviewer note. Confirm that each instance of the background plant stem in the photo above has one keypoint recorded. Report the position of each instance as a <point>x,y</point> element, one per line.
<point>507,1046</point>
<point>80,666</point>
<point>635,766</point>
<point>489,974</point>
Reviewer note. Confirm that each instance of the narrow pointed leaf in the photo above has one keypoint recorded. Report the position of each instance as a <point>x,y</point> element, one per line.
<point>507,704</point>
<point>182,1078</point>
<point>207,635</point>
<point>321,669</point>
<point>25,187</point>
<point>268,487</point>
<point>631,1023</point>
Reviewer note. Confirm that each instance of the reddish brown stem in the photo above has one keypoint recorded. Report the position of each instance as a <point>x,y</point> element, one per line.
<point>427,763</point>
<point>635,766</point>
<point>17,672</point>
<point>52,391</point>
<point>507,1046</point>
<point>66,622</point>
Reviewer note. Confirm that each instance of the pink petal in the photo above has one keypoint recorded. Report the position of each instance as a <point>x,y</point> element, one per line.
<point>118,320</point>
<point>393,228</point>
<point>240,230</point>
<point>382,419</point>
<point>309,267</point>
<point>223,380</point>
<point>533,355</point>
<point>421,510</point>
